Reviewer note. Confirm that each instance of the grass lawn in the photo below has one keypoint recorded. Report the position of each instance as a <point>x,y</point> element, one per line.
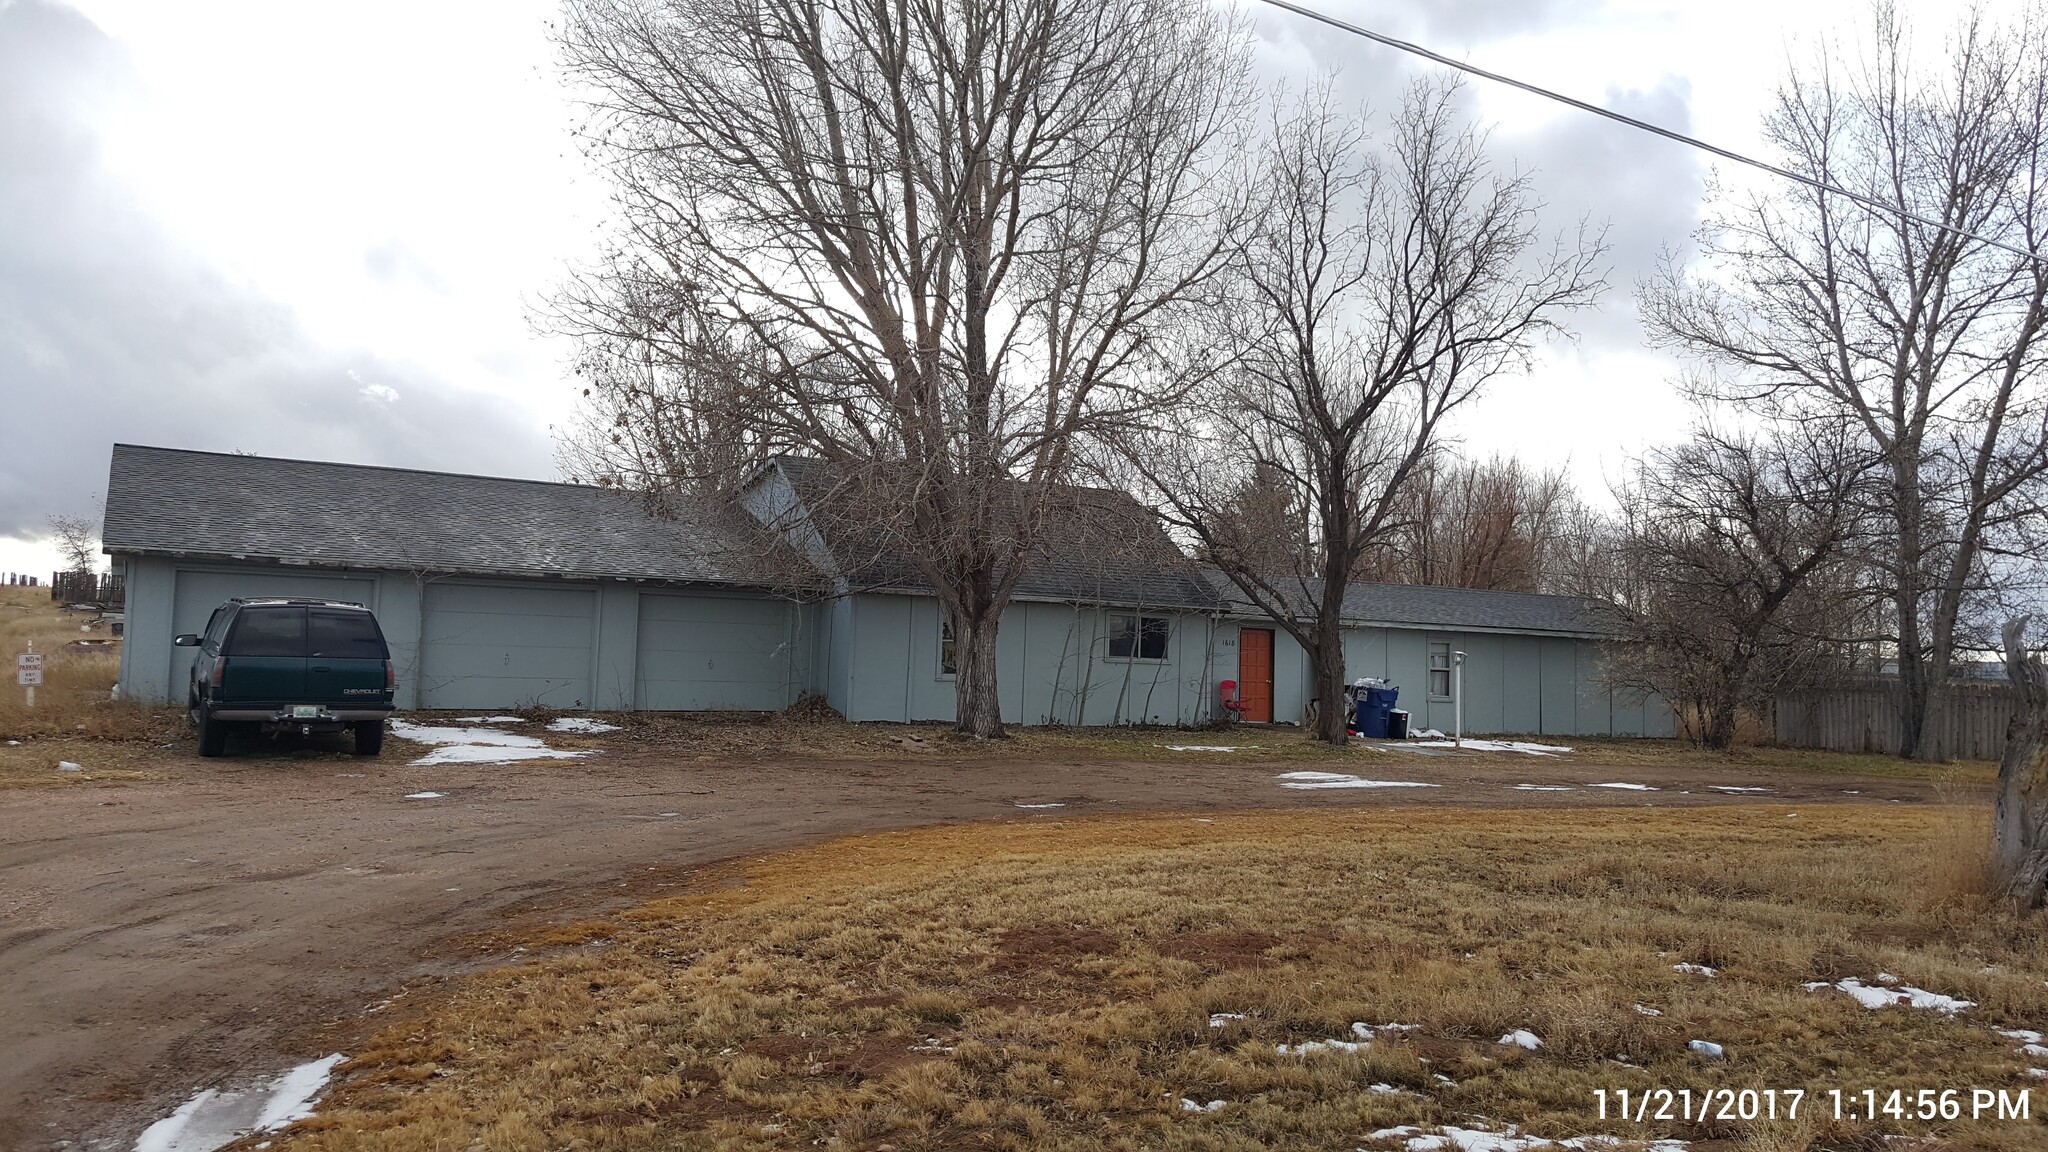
<point>1079,984</point>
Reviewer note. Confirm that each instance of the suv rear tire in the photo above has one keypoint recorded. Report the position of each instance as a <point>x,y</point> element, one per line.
<point>213,735</point>
<point>369,737</point>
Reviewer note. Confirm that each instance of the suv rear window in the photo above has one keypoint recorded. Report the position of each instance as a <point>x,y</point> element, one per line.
<point>344,635</point>
<point>268,632</point>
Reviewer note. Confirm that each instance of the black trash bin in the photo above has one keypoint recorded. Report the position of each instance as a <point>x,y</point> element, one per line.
<point>1397,724</point>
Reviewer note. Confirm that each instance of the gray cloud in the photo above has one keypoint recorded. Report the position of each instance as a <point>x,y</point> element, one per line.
<point>109,331</point>
<point>1644,189</point>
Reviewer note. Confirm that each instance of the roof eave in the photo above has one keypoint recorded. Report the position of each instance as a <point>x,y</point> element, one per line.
<point>452,570</point>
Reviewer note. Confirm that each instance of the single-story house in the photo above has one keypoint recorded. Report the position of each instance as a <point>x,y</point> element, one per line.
<point>496,593</point>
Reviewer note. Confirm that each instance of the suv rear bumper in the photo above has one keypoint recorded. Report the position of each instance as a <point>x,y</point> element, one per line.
<point>353,714</point>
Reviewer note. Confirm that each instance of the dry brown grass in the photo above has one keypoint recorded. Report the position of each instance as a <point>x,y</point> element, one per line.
<point>730,736</point>
<point>1048,985</point>
<point>75,718</point>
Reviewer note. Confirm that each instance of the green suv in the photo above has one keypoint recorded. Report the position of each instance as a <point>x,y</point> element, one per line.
<point>291,666</point>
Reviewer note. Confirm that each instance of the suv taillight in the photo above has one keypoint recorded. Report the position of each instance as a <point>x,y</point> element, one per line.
<point>220,670</point>
<point>390,676</point>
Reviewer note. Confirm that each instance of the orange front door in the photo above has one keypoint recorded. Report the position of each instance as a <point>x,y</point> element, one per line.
<point>1255,673</point>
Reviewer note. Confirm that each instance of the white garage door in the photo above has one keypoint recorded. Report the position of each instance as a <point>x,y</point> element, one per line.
<point>197,594</point>
<point>505,646</point>
<point>712,653</point>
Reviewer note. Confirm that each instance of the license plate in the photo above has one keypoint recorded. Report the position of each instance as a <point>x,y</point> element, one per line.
<point>305,711</point>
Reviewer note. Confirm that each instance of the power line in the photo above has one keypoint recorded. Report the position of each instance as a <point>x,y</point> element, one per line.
<point>1682,138</point>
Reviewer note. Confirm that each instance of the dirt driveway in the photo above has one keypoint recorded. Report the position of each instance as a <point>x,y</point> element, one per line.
<point>238,916</point>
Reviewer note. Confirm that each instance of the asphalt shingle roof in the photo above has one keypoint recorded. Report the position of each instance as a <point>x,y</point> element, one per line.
<point>1418,606</point>
<point>1097,546</point>
<point>204,503</point>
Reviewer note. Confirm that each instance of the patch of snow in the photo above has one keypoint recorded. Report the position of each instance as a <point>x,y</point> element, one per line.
<point>1900,996</point>
<point>2023,1035</point>
<point>1451,1138</point>
<point>1646,1010</point>
<point>1224,1019</point>
<point>426,795</point>
<point>1707,1048</point>
<point>2037,1051</point>
<point>1309,1046</point>
<point>14,743</point>
<point>1522,1038</point>
<point>490,720</point>
<point>1317,780</point>
<point>1734,788</point>
<point>1626,787</point>
<point>1697,970</point>
<point>1200,747</point>
<point>1189,1105</point>
<point>1545,788</point>
<point>1041,805</point>
<point>1523,746</point>
<point>581,724</point>
<point>1426,734</point>
<point>2037,1072</point>
<point>218,1116</point>
<point>68,766</point>
<point>477,745</point>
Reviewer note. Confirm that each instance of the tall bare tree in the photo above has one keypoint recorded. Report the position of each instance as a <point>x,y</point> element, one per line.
<point>1901,320</point>
<point>1384,285</point>
<point>1742,546</point>
<point>78,542</point>
<point>937,243</point>
<point>1493,523</point>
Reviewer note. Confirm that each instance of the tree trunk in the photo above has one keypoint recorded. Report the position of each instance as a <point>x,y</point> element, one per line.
<point>1327,661</point>
<point>977,709</point>
<point>1719,730</point>
<point>2021,818</point>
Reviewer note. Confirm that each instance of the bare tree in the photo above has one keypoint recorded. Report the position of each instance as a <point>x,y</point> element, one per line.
<point>2020,824</point>
<point>78,542</point>
<point>1381,290</point>
<point>937,243</point>
<point>1903,322</point>
<point>1475,524</point>
<point>1741,547</point>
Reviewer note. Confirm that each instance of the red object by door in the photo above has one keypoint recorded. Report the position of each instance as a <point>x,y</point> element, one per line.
<point>1255,673</point>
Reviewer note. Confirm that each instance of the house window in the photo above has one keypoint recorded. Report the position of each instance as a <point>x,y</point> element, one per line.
<point>949,660</point>
<point>1138,637</point>
<point>1440,671</point>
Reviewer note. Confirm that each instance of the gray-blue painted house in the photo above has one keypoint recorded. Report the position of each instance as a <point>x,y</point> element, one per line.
<point>496,593</point>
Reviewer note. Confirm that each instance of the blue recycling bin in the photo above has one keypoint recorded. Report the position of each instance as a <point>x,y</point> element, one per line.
<point>1374,705</point>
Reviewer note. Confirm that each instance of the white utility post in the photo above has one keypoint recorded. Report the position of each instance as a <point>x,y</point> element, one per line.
<point>28,671</point>
<point>1457,699</point>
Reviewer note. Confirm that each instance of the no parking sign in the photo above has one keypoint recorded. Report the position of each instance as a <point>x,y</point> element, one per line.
<point>28,669</point>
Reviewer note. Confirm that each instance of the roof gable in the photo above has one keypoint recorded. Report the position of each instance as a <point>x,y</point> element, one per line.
<point>1097,546</point>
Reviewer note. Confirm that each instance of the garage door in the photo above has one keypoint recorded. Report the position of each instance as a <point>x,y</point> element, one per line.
<point>710,652</point>
<point>488,646</point>
<point>197,594</point>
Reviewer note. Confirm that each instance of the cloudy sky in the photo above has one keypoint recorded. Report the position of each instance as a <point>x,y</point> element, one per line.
<point>319,230</point>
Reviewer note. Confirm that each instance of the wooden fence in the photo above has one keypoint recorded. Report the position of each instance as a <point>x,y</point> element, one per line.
<point>107,590</point>
<point>1967,721</point>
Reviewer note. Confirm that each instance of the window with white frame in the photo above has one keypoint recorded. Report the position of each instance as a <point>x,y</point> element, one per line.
<point>1440,671</point>
<point>949,660</point>
<point>1138,637</point>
